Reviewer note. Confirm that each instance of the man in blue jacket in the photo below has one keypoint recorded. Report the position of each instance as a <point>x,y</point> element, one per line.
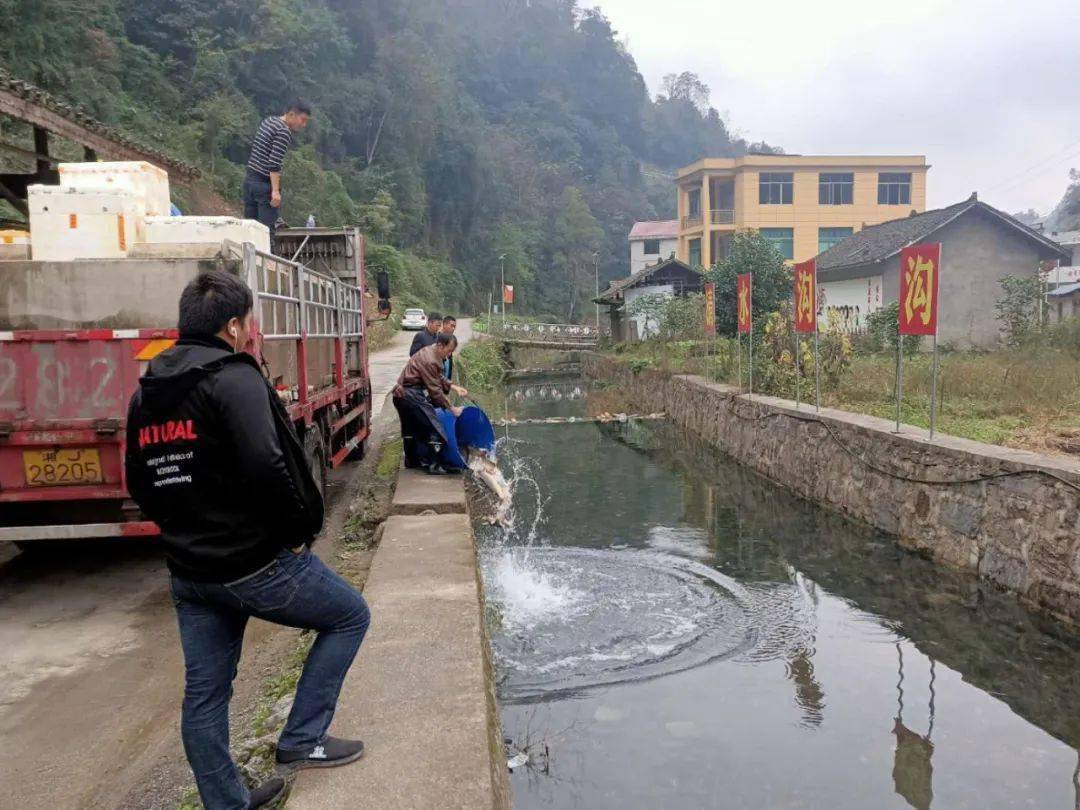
<point>214,460</point>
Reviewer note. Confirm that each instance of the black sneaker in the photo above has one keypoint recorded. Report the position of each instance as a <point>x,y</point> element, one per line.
<point>329,754</point>
<point>269,791</point>
<point>436,469</point>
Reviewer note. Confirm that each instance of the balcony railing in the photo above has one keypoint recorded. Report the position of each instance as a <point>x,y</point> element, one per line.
<point>691,220</point>
<point>722,216</point>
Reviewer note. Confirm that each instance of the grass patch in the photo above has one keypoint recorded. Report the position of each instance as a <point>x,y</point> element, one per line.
<point>481,365</point>
<point>390,458</point>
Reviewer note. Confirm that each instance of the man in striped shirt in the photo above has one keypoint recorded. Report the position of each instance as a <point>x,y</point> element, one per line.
<point>262,186</point>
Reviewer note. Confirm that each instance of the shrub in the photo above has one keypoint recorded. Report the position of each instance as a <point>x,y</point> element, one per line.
<point>1018,307</point>
<point>883,332</point>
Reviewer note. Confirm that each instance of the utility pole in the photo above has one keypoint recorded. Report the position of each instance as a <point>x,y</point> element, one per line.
<point>502,285</point>
<point>596,270</point>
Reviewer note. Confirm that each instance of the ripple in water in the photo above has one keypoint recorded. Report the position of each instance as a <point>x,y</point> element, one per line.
<point>572,618</point>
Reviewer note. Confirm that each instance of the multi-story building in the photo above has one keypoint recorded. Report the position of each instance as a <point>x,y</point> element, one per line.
<point>803,204</point>
<point>652,242</point>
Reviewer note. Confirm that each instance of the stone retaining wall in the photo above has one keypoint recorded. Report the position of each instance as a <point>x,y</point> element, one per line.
<point>1017,526</point>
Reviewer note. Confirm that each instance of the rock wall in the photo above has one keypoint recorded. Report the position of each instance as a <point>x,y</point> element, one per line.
<point>1011,516</point>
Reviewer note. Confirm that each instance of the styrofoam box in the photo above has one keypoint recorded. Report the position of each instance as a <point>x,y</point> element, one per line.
<point>144,179</point>
<point>14,237</point>
<point>192,230</point>
<point>69,224</point>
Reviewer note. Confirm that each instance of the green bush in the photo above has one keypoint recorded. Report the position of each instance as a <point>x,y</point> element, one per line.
<point>481,365</point>
<point>883,331</point>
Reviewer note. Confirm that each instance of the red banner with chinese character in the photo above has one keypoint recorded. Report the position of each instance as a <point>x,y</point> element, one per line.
<point>744,292</point>
<point>920,272</point>
<point>806,296</point>
<point>710,308</point>
<point>508,293</point>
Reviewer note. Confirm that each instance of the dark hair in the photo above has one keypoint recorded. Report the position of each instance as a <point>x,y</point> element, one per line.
<point>210,301</point>
<point>446,318</point>
<point>442,339</point>
<point>299,105</point>
<point>434,316</point>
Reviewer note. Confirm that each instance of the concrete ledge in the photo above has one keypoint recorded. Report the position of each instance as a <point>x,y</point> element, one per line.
<point>419,693</point>
<point>418,492</point>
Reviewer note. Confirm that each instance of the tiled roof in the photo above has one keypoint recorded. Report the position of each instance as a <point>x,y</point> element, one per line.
<point>876,243</point>
<point>1065,289</point>
<point>75,114</point>
<point>657,229</point>
<point>614,290</point>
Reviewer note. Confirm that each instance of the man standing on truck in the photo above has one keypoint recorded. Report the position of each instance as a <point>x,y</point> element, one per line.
<point>426,336</point>
<point>214,460</point>
<point>261,191</point>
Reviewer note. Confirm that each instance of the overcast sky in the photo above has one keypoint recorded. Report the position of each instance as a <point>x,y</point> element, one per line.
<point>988,90</point>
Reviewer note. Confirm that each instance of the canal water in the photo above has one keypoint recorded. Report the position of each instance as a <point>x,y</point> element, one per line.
<point>670,630</point>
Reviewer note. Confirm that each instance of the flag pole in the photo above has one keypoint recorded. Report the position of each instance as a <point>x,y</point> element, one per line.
<point>750,340</point>
<point>934,362</point>
<point>797,381</point>
<point>817,363</point>
<point>899,373</point>
<point>738,338</point>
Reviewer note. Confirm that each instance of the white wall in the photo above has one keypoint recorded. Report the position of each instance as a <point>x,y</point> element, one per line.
<point>854,299</point>
<point>635,293</point>
<point>639,260</point>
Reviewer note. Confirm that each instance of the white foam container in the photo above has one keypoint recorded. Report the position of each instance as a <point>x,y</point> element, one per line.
<point>204,230</point>
<point>139,177</point>
<point>70,224</point>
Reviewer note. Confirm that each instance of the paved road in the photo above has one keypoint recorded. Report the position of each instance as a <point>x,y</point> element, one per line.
<point>91,673</point>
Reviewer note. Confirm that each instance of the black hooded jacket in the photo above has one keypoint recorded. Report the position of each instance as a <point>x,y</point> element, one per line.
<point>214,460</point>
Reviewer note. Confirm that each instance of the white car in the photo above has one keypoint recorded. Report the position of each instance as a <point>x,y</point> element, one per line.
<point>414,319</point>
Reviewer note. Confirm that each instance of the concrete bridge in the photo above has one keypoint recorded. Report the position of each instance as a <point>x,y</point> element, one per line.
<point>567,336</point>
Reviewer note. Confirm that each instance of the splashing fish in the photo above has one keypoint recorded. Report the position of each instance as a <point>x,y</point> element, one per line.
<point>486,470</point>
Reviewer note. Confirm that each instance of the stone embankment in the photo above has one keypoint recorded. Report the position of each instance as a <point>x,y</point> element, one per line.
<point>421,693</point>
<point>1011,516</point>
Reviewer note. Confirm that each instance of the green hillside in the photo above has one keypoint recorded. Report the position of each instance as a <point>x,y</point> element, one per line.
<point>452,132</point>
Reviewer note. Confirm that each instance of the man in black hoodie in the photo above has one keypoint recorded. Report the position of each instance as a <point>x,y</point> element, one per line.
<point>213,458</point>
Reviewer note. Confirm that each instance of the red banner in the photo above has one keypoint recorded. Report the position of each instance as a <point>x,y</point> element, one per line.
<point>744,289</point>
<point>920,272</point>
<point>710,308</point>
<point>508,293</point>
<point>806,296</point>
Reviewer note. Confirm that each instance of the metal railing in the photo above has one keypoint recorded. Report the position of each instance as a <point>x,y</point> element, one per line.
<point>546,332</point>
<point>722,216</point>
<point>294,301</point>
<point>691,220</point>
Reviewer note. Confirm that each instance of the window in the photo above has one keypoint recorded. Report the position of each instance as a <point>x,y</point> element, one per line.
<point>827,237</point>
<point>783,239</point>
<point>774,188</point>
<point>894,188</point>
<point>694,199</point>
<point>836,189</point>
<point>695,253</point>
<point>652,247</point>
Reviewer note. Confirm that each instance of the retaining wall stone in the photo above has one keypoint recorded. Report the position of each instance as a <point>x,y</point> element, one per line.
<point>1020,529</point>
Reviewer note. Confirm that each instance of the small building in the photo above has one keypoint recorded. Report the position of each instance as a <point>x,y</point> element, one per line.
<point>980,246</point>
<point>652,242</point>
<point>668,278</point>
<point>1063,302</point>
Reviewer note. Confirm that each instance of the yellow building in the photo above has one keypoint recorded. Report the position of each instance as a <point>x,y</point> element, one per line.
<point>803,204</point>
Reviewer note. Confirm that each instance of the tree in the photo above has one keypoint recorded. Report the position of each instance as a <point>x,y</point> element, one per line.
<point>1018,308</point>
<point>772,281</point>
<point>577,237</point>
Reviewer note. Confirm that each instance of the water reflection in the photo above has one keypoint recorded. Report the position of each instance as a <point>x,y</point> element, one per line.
<point>874,679</point>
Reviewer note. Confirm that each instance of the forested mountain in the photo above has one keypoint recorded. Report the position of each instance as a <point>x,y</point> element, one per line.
<point>1066,214</point>
<point>453,131</point>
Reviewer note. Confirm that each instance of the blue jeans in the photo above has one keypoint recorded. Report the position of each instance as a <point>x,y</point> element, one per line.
<point>255,194</point>
<point>296,590</point>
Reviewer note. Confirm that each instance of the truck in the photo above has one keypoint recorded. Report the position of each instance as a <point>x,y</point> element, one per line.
<point>75,336</point>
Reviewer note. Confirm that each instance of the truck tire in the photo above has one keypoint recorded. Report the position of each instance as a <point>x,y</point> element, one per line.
<point>315,453</point>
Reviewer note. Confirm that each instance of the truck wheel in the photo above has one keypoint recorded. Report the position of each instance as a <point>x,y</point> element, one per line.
<point>315,453</point>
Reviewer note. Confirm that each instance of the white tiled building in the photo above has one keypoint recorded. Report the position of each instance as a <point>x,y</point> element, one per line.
<point>652,242</point>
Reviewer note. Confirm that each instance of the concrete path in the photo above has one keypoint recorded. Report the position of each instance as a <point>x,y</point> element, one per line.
<point>419,695</point>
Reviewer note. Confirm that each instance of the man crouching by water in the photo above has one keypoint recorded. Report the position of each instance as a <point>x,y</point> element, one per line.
<point>213,458</point>
<point>421,389</point>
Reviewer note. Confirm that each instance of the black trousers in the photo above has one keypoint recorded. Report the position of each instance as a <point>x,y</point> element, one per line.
<point>255,194</point>
<point>421,430</point>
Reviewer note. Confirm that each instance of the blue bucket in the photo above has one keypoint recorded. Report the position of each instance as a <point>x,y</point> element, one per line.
<point>470,430</point>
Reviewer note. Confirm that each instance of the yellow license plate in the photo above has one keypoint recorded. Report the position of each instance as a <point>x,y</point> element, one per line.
<point>53,468</point>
